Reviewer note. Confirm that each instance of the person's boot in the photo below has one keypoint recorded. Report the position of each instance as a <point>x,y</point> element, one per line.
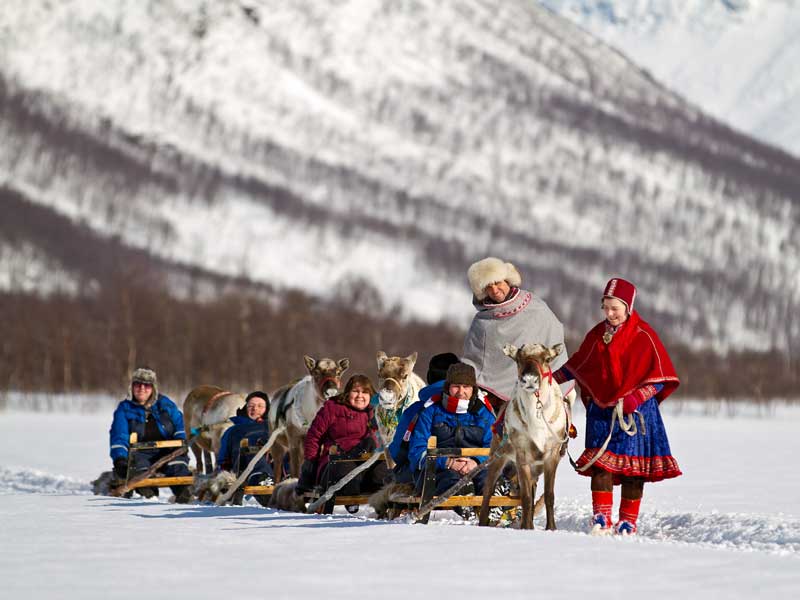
<point>147,492</point>
<point>602,503</point>
<point>628,515</point>
<point>308,476</point>
<point>497,515</point>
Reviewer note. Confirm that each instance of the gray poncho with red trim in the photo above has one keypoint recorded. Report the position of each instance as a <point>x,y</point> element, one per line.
<point>522,319</point>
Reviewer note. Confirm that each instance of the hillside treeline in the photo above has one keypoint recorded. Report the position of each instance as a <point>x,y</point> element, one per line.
<point>236,341</point>
<point>245,341</point>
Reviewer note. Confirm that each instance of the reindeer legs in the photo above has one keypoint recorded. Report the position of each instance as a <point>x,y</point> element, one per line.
<point>295,455</point>
<point>549,492</point>
<point>492,476</point>
<point>527,489</point>
<point>208,461</point>
<point>278,453</point>
<point>198,458</point>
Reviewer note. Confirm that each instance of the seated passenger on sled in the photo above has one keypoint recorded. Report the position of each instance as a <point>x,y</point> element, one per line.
<point>398,448</point>
<point>459,419</point>
<point>153,417</point>
<point>346,421</point>
<point>250,423</point>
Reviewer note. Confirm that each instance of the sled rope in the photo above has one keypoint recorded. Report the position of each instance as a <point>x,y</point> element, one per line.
<point>312,508</point>
<point>250,466</point>
<point>629,427</point>
<point>555,416</point>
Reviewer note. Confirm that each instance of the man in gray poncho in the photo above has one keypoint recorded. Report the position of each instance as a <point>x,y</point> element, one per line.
<point>506,315</point>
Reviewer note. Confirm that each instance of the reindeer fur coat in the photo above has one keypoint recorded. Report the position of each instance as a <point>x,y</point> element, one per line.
<point>521,319</point>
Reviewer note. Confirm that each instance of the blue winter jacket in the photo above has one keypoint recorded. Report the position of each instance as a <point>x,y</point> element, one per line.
<point>256,432</point>
<point>129,417</point>
<point>398,450</point>
<point>452,430</point>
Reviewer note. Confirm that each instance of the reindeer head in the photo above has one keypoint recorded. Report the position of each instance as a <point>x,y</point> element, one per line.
<point>393,374</point>
<point>327,374</point>
<point>533,361</point>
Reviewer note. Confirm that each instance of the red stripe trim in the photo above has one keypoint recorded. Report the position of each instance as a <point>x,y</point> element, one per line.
<point>650,468</point>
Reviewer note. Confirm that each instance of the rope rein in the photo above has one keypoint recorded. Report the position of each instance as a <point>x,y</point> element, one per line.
<point>547,421</point>
<point>628,426</point>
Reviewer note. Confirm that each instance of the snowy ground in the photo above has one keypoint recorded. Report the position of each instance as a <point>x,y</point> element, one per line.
<point>729,528</point>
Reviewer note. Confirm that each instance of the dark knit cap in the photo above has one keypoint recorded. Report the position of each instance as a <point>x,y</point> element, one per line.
<point>257,394</point>
<point>438,365</point>
<point>462,374</point>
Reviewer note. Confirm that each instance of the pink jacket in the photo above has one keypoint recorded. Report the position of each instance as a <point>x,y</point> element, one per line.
<point>338,424</point>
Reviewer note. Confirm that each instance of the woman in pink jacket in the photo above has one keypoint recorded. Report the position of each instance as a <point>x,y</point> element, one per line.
<point>346,421</point>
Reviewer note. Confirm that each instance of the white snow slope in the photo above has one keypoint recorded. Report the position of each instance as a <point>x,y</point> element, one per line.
<point>737,59</point>
<point>728,528</point>
<point>317,143</point>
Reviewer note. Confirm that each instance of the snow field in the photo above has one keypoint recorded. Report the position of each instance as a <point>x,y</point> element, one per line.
<point>728,528</point>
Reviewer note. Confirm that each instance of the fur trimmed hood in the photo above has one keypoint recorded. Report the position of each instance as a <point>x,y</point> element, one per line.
<point>490,270</point>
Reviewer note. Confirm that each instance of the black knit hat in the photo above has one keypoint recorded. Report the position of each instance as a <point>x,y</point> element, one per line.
<point>438,365</point>
<point>258,394</point>
<point>462,374</point>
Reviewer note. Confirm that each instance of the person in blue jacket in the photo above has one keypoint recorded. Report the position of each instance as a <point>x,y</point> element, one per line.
<point>252,424</point>
<point>459,419</point>
<point>153,417</point>
<point>398,448</point>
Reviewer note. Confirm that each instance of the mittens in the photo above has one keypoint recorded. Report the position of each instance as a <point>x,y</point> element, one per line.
<point>630,403</point>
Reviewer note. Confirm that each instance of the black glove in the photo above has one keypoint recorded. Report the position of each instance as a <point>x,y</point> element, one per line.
<point>121,467</point>
<point>366,444</point>
<point>308,477</point>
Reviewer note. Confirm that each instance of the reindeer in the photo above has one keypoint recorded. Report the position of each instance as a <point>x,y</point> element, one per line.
<point>209,405</point>
<point>295,405</point>
<point>398,388</point>
<point>536,423</point>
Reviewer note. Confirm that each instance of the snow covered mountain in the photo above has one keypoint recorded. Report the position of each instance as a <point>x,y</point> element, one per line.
<point>736,59</point>
<point>317,144</point>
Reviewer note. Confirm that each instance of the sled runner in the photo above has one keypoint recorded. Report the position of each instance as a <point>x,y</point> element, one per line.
<point>131,483</point>
<point>427,500</point>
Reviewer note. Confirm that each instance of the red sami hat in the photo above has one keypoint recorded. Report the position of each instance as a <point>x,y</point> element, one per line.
<point>622,290</point>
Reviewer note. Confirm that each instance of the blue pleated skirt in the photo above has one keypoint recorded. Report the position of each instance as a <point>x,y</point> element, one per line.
<point>645,454</point>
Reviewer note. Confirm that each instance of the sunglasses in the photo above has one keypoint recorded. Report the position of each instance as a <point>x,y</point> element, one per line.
<point>142,384</point>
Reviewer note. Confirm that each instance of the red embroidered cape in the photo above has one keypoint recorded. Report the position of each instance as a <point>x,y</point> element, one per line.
<point>634,357</point>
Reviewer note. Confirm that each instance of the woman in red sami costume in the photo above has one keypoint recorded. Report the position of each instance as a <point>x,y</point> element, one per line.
<point>622,367</point>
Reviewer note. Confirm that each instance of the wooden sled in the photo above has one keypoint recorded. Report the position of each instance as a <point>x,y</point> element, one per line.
<point>403,503</point>
<point>158,481</point>
<point>338,500</point>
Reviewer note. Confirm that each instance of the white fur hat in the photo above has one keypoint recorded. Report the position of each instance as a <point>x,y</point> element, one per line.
<point>491,270</point>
